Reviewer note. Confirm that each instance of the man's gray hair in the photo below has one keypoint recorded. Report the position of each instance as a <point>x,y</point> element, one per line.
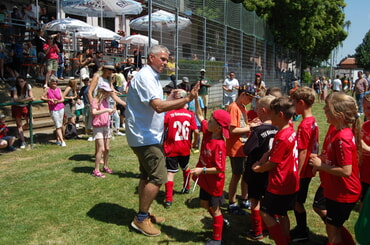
<point>156,49</point>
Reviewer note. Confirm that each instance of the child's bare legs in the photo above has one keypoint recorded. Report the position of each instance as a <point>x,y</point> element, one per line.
<point>334,234</point>
<point>106,152</point>
<point>18,121</point>
<point>99,150</point>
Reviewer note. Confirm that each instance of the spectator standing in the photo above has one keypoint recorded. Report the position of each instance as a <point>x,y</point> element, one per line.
<point>360,88</point>
<point>171,70</point>
<point>22,93</point>
<point>39,43</point>
<point>101,110</point>
<point>324,88</point>
<point>144,129</point>
<point>3,56</point>
<point>51,50</point>
<point>316,85</point>
<point>259,84</point>
<point>337,84</point>
<point>205,84</point>
<point>184,85</point>
<point>61,60</point>
<point>230,88</point>
<point>70,96</point>
<point>54,96</point>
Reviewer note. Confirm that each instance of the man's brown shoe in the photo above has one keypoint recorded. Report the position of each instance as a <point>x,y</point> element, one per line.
<point>146,227</point>
<point>156,219</point>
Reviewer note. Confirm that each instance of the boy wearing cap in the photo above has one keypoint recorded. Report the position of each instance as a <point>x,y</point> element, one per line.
<point>205,83</point>
<point>283,179</point>
<point>210,169</point>
<point>239,128</point>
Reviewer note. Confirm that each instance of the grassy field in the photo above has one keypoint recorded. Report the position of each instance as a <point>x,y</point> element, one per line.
<point>48,196</point>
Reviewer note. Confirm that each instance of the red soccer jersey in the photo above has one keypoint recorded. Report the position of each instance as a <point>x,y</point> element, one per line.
<point>324,151</point>
<point>178,126</point>
<point>283,179</point>
<point>308,138</point>
<point>342,151</point>
<point>3,131</point>
<point>212,154</point>
<point>365,159</point>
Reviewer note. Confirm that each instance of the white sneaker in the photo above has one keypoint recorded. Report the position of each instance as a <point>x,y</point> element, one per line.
<point>90,139</point>
<point>28,76</point>
<point>120,134</point>
<point>23,145</point>
<point>63,144</point>
<point>77,125</point>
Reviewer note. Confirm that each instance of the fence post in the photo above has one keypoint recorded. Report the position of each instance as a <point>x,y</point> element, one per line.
<point>31,123</point>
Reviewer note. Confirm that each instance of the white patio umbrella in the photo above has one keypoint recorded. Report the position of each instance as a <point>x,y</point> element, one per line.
<point>68,25</point>
<point>99,32</point>
<point>103,8</point>
<point>161,21</point>
<point>139,40</point>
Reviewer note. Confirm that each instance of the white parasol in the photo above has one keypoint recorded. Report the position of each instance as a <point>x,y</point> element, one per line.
<point>139,40</point>
<point>104,8</point>
<point>68,25</point>
<point>99,33</point>
<point>161,21</point>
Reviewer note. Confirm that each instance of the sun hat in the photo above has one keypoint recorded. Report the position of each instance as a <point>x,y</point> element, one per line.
<point>223,118</point>
<point>109,65</point>
<point>85,76</point>
<point>105,87</point>
<point>185,79</point>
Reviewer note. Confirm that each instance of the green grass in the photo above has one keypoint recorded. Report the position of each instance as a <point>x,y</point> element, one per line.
<point>48,196</point>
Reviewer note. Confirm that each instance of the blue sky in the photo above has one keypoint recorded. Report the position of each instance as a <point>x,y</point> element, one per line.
<point>358,12</point>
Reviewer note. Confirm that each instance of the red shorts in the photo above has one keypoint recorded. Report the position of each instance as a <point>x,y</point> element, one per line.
<point>19,111</point>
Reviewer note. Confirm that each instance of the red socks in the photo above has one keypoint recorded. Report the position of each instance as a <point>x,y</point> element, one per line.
<point>256,221</point>
<point>276,232</point>
<point>186,174</point>
<point>218,222</point>
<point>169,191</point>
<point>346,237</point>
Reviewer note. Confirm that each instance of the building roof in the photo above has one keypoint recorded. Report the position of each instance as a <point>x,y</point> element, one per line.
<point>348,63</point>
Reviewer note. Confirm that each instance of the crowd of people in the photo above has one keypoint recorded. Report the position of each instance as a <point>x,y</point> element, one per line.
<point>273,163</point>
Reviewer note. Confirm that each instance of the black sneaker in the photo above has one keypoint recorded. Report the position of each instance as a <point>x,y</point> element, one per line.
<point>236,210</point>
<point>213,242</point>
<point>299,235</point>
<point>245,204</point>
<point>185,191</point>
<point>252,235</point>
<point>167,204</point>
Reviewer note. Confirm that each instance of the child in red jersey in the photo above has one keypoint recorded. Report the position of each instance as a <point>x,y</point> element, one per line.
<point>283,180</point>
<point>210,169</point>
<point>179,126</point>
<point>308,142</point>
<point>341,184</point>
<point>364,163</point>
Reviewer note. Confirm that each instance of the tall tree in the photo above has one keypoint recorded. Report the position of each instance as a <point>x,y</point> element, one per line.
<point>313,27</point>
<point>362,54</point>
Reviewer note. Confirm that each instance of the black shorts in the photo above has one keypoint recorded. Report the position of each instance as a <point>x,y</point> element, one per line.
<point>278,204</point>
<point>213,201</point>
<point>257,183</point>
<point>319,200</point>
<point>172,163</point>
<point>303,190</point>
<point>365,188</point>
<point>338,212</point>
<point>237,165</point>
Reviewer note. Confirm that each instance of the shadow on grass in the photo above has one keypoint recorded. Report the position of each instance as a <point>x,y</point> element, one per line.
<point>127,174</point>
<point>112,213</point>
<point>181,236</point>
<point>82,157</point>
<point>83,170</point>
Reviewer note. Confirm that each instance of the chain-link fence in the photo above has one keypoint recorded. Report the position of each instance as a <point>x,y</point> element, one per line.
<point>225,37</point>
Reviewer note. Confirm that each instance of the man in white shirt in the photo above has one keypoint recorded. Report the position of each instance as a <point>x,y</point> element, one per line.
<point>230,87</point>
<point>337,84</point>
